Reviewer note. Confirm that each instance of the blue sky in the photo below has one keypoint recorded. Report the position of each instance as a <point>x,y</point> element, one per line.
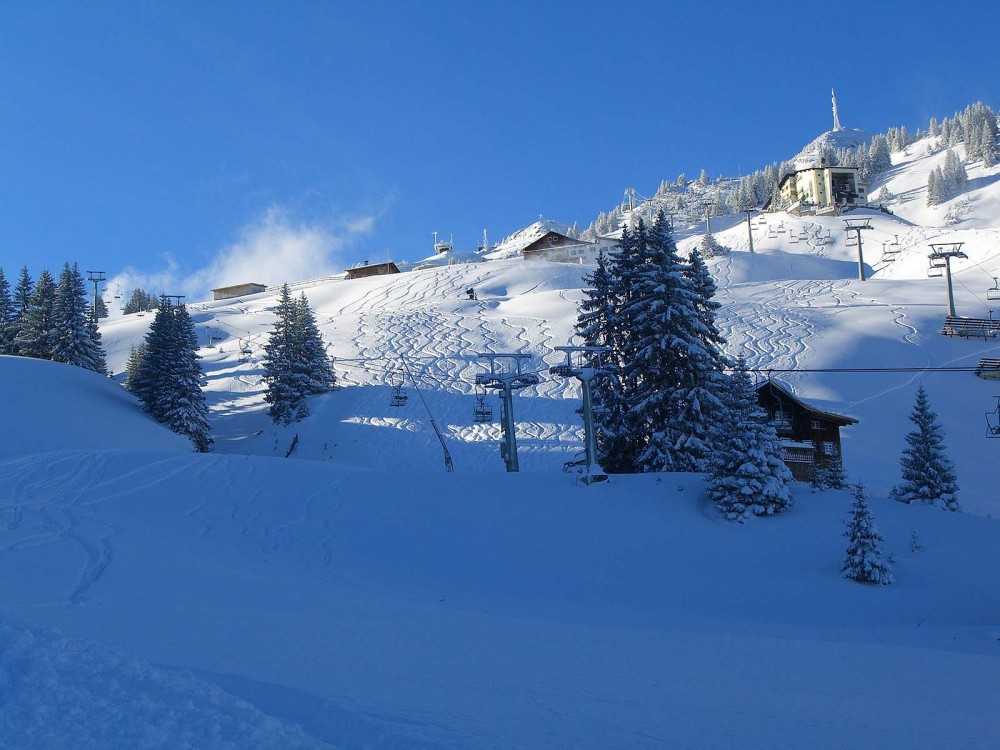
<point>181,145</point>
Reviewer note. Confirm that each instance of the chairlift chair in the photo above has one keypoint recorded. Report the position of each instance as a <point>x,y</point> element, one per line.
<point>993,421</point>
<point>994,291</point>
<point>399,396</point>
<point>482,412</point>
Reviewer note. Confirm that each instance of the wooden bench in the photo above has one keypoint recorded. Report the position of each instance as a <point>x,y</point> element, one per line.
<point>988,368</point>
<point>971,328</point>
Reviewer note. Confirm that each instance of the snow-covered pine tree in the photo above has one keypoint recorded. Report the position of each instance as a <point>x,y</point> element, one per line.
<point>34,336</point>
<point>709,247</point>
<point>597,325</point>
<point>283,391</point>
<point>881,157</point>
<point>22,294</point>
<point>312,351</point>
<point>830,475</point>
<point>746,474</point>
<point>928,474</point>
<point>169,379</point>
<point>73,340</point>
<point>954,175</point>
<point>295,361</point>
<point>701,399</point>
<point>135,355</point>
<point>934,187</point>
<point>8,317</point>
<point>865,560</point>
<point>186,410</point>
<point>618,441</point>
<point>668,366</point>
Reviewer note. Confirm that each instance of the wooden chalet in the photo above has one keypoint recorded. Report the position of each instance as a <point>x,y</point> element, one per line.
<point>556,246</point>
<point>375,269</point>
<point>809,437</point>
<point>237,290</point>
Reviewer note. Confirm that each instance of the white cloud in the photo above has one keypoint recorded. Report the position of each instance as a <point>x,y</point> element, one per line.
<point>272,250</point>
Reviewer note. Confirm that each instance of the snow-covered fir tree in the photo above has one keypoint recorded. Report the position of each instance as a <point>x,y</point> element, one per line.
<point>295,361</point>
<point>8,317</point>
<point>35,332</point>
<point>670,364</point>
<point>140,301</point>
<point>709,247</point>
<point>830,475</point>
<point>75,339</point>
<point>618,441</point>
<point>934,187</point>
<point>746,474</point>
<point>135,355</point>
<point>169,379</point>
<point>928,474</point>
<point>865,560</point>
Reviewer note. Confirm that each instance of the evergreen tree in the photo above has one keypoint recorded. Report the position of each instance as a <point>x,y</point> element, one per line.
<point>283,390</point>
<point>828,476</point>
<point>168,382</point>
<point>135,355</point>
<point>140,301</point>
<point>865,560</point>
<point>35,333</point>
<point>295,361</point>
<point>8,317</point>
<point>934,188</point>
<point>709,247</point>
<point>72,337</point>
<point>880,155</point>
<point>928,474</point>
<point>314,363</point>
<point>666,371</point>
<point>22,302</point>
<point>746,474</point>
<point>618,442</point>
<point>102,308</point>
<point>597,325</point>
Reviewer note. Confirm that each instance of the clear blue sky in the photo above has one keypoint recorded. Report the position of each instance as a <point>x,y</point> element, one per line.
<point>198,141</point>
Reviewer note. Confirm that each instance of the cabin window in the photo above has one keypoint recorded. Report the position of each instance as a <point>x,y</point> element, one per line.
<point>829,449</point>
<point>815,424</point>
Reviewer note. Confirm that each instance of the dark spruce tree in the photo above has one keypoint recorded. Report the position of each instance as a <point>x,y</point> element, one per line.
<point>314,362</point>
<point>35,332</point>
<point>928,474</point>
<point>168,382</point>
<point>8,317</point>
<point>865,560</point>
<point>598,325</point>
<point>22,296</point>
<point>746,474</point>
<point>75,340</point>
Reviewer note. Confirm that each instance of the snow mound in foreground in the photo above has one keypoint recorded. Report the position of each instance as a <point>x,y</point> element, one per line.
<point>59,692</point>
<point>52,406</point>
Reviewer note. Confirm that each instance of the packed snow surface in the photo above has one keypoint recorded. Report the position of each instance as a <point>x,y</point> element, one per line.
<point>354,595</point>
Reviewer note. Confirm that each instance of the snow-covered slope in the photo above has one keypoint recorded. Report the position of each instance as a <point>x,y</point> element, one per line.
<point>356,595</point>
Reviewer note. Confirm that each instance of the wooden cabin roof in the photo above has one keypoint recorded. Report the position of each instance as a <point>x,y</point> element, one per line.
<point>838,419</point>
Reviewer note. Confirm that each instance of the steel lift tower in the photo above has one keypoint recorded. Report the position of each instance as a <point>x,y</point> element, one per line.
<point>506,375</point>
<point>856,225</point>
<point>941,254</point>
<point>587,366</point>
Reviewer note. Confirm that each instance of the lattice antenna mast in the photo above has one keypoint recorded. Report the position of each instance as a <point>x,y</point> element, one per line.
<point>836,117</point>
<point>856,226</point>
<point>96,277</point>
<point>941,254</point>
<point>507,376</point>
<point>588,364</point>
